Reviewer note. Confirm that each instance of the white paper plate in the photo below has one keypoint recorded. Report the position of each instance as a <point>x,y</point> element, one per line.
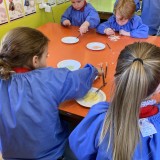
<point>70,40</point>
<point>95,46</point>
<point>92,98</point>
<point>70,64</point>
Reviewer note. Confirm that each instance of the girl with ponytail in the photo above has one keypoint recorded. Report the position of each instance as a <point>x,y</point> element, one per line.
<point>123,129</point>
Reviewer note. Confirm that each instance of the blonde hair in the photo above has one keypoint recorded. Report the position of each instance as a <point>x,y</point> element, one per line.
<point>137,76</point>
<point>18,47</point>
<point>125,8</point>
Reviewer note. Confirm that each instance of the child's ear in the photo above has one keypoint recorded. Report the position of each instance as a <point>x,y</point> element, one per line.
<point>35,62</point>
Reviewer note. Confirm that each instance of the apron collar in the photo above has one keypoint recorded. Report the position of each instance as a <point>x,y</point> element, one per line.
<point>21,69</point>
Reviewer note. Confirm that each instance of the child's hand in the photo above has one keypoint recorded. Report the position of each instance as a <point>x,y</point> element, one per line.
<point>84,27</point>
<point>109,31</point>
<point>66,22</point>
<point>100,72</point>
<point>124,33</point>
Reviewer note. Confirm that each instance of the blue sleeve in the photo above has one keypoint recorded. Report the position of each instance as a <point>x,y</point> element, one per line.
<point>84,139</point>
<point>66,15</point>
<point>107,24</point>
<point>137,3</point>
<point>92,16</point>
<point>139,29</point>
<point>77,83</point>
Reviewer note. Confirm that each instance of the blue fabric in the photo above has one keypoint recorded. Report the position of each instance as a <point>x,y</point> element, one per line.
<point>84,139</point>
<point>0,146</point>
<point>30,127</point>
<point>137,3</point>
<point>150,15</point>
<point>135,26</point>
<point>77,17</point>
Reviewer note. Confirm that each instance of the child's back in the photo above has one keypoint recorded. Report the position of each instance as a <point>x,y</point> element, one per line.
<point>30,126</point>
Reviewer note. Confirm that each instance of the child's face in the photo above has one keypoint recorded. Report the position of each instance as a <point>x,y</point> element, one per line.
<point>120,20</point>
<point>77,4</point>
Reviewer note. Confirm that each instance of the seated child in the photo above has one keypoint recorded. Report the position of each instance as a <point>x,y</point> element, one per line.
<point>82,14</point>
<point>122,129</point>
<point>30,126</point>
<point>124,21</point>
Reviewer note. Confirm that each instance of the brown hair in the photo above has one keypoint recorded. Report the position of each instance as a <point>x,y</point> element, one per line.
<point>18,48</point>
<point>125,8</point>
<point>137,76</point>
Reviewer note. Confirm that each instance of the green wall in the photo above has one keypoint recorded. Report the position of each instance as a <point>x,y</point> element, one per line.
<point>35,20</point>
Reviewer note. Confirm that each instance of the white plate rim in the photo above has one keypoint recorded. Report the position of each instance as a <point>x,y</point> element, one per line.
<point>93,88</point>
<point>62,40</point>
<point>98,49</point>
<point>69,60</point>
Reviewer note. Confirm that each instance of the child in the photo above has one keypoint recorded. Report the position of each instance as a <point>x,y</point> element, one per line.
<point>81,14</point>
<point>111,130</point>
<point>124,21</point>
<point>30,126</point>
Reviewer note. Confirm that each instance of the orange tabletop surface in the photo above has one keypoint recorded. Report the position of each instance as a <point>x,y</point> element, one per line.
<point>59,51</point>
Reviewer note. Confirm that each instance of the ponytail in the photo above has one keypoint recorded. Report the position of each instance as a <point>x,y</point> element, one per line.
<point>5,70</point>
<point>137,76</point>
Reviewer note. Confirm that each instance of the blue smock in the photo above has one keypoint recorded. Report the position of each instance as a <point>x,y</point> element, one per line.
<point>77,17</point>
<point>135,26</point>
<point>137,3</point>
<point>30,126</point>
<point>150,15</point>
<point>84,140</point>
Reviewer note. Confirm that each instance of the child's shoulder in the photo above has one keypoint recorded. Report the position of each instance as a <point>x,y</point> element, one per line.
<point>136,18</point>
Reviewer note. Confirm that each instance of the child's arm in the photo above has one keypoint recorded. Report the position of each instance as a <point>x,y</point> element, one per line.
<point>92,16</point>
<point>124,33</point>
<point>66,22</point>
<point>139,30</point>
<point>77,83</point>
<point>84,140</point>
<point>66,17</point>
<point>109,31</point>
<point>106,27</point>
<point>84,27</point>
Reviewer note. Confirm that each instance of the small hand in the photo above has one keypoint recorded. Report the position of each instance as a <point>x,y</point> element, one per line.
<point>124,33</point>
<point>109,31</point>
<point>66,22</point>
<point>83,29</point>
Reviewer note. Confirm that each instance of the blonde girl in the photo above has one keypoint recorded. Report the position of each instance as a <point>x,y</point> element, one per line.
<point>122,129</point>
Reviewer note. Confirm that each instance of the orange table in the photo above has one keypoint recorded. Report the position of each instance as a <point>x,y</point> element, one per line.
<point>59,51</point>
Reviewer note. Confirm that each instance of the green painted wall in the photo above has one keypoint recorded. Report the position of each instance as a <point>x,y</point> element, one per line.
<point>37,19</point>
